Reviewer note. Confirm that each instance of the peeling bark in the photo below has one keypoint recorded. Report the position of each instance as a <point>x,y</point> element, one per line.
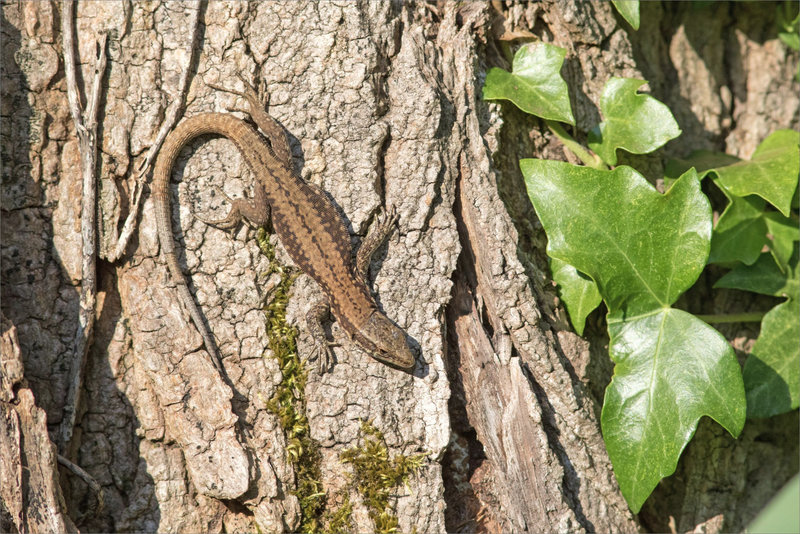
<point>30,494</point>
<point>382,104</point>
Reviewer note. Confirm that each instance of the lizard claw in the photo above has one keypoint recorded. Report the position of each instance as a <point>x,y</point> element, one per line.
<point>387,217</point>
<point>249,90</point>
<point>322,350</point>
<point>222,192</point>
<point>324,356</point>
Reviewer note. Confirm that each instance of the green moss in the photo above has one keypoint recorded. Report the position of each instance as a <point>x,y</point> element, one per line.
<point>375,475</point>
<point>340,520</point>
<point>288,403</point>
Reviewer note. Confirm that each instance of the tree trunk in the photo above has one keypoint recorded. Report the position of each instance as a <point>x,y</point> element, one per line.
<point>382,102</point>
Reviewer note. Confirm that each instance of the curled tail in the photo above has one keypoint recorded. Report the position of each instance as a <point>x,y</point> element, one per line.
<point>206,123</point>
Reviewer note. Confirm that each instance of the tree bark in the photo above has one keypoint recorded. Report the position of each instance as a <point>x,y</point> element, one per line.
<point>383,105</point>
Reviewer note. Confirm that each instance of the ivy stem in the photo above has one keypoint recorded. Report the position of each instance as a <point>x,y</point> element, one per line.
<point>750,317</point>
<point>588,159</point>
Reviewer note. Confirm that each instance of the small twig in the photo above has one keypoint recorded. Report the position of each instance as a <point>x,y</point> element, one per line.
<point>87,141</point>
<point>89,479</point>
<point>174,109</point>
<point>97,82</point>
<point>130,221</point>
<point>68,43</point>
<point>173,112</point>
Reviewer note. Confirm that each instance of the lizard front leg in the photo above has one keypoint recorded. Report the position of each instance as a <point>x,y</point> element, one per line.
<point>323,349</point>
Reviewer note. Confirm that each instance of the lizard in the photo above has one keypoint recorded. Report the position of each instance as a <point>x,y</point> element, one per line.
<point>305,220</point>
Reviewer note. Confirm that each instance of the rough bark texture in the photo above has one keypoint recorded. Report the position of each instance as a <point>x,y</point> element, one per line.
<point>382,101</point>
<point>30,495</point>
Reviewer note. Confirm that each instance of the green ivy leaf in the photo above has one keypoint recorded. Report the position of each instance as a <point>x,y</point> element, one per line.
<point>745,226</point>
<point>792,40</point>
<point>629,9</point>
<point>643,250</point>
<point>635,122</point>
<point>771,173</point>
<point>764,277</point>
<point>741,231</point>
<point>781,513</point>
<point>535,84</point>
<point>788,25</point>
<point>671,369</point>
<point>782,233</point>
<point>702,160</point>
<point>772,371</point>
<point>578,291</point>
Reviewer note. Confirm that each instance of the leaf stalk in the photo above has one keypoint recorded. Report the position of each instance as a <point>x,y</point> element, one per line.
<point>588,159</point>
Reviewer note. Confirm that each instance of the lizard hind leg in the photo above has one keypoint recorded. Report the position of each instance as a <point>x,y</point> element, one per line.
<point>377,234</point>
<point>275,135</point>
<point>255,210</point>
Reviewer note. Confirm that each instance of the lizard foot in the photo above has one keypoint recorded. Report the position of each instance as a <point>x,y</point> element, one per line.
<point>255,211</point>
<point>324,356</point>
<point>230,221</point>
<point>250,94</point>
<point>323,349</point>
<point>274,134</point>
<point>384,222</point>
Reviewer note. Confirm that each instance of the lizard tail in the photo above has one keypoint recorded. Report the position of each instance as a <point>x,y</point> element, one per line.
<point>205,123</point>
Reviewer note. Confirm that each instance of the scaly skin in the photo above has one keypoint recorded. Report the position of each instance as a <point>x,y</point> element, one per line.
<point>307,224</point>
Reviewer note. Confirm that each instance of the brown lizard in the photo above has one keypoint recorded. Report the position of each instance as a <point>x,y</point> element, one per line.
<point>307,223</point>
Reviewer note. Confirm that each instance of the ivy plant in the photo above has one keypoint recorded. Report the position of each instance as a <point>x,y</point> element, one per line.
<point>612,237</point>
<point>626,111</point>
<point>531,85</point>
<point>772,371</point>
<point>629,9</point>
<point>788,22</point>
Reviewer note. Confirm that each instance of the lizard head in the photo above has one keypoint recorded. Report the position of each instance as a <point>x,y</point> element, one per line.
<point>387,340</point>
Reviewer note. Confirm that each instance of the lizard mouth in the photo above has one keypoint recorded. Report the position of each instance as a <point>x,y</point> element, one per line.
<point>403,362</point>
<point>386,342</point>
